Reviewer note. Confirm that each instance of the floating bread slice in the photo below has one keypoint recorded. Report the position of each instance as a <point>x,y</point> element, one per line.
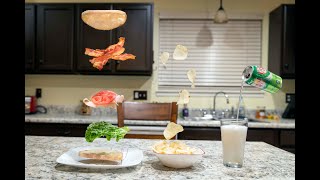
<point>171,130</point>
<point>102,154</point>
<point>104,19</point>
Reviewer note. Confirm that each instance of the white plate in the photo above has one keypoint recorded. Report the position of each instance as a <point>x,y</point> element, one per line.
<point>131,157</point>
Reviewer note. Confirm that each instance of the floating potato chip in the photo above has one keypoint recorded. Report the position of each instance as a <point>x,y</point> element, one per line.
<point>104,19</point>
<point>192,76</point>
<point>164,57</point>
<point>183,97</point>
<point>180,53</point>
<point>171,130</point>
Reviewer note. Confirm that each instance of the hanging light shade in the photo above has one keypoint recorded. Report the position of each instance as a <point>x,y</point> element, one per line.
<point>221,15</point>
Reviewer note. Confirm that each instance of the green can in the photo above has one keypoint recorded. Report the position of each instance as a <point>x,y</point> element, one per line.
<point>261,78</point>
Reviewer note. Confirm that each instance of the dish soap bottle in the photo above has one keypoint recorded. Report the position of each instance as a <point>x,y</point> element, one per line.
<point>185,111</point>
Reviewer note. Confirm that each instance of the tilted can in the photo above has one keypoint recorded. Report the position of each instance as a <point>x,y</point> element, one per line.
<point>262,79</point>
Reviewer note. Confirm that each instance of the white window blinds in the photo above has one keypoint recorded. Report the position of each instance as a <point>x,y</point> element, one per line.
<point>218,52</point>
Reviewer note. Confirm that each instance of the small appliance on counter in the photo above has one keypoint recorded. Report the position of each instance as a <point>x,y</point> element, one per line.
<point>30,106</point>
<point>289,112</point>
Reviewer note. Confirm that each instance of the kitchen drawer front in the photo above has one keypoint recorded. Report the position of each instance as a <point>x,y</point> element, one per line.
<point>55,129</point>
<point>191,133</point>
<point>266,135</point>
<point>287,138</point>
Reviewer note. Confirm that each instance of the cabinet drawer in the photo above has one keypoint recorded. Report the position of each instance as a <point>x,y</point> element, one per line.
<point>265,135</point>
<point>191,133</point>
<point>287,138</point>
<point>53,129</point>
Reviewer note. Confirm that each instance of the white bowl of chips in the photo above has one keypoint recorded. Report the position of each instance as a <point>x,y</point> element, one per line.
<point>176,154</point>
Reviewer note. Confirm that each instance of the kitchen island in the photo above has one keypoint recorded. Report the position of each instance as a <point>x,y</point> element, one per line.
<point>261,161</point>
<point>279,133</point>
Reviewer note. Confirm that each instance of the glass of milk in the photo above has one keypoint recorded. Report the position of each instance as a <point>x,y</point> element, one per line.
<point>233,137</point>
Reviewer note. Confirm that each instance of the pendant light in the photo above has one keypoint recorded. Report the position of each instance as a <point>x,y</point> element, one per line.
<point>221,15</point>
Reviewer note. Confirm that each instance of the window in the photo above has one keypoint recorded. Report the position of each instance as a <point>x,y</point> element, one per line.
<point>218,52</point>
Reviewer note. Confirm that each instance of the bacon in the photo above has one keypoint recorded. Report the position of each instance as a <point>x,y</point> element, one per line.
<point>123,57</point>
<point>99,62</point>
<point>94,53</point>
<point>101,57</point>
<point>115,46</point>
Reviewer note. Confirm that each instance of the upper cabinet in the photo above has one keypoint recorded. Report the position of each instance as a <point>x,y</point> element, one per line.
<point>88,37</point>
<point>29,38</point>
<point>282,41</point>
<point>56,38</point>
<point>138,33</point>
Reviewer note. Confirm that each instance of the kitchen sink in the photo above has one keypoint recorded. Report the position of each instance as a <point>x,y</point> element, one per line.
<point>202,118</point>
<point>210,118</point>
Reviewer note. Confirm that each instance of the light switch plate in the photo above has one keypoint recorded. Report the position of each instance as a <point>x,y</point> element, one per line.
<point>289,97</point>
<point>140,95</point>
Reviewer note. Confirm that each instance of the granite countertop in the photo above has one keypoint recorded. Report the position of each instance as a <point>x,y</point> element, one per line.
<point>84,119</point>
<point>261,161</point>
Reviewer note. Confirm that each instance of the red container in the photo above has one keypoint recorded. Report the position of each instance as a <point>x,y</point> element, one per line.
<point>30,104</point>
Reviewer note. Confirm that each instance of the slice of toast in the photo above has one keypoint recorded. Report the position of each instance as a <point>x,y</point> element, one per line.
<point>102,154</point>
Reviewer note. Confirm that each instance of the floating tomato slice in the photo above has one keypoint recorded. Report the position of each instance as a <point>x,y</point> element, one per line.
<point>103,98</point>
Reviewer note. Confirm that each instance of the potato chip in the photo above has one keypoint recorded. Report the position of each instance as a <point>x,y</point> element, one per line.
<point>180,53</point>
<point>171,130</point>
<point>183,97</point>
<point>164,57</point>
<point>173,147</point>
<point>192,76</point>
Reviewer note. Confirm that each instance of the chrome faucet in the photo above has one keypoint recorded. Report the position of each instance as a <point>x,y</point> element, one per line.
<point>214,100</point>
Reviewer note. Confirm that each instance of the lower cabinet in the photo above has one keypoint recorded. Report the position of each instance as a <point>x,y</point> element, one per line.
<point>282,138</point>
<point>55,129</point>
<point>287,140</point>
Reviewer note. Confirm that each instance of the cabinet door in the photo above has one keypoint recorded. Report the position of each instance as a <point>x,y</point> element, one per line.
<point>281,60</point>
<point>29,38</point>
<point>288,66</point>
<point>269,136</point>
<point>55,31</point>
<point>89,37</point>
<point>200,133</point>
<point>138,33</point>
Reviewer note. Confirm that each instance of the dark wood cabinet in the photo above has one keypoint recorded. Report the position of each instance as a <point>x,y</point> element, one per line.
<point>55,129</point>
<point>287,140</point>
<point>282,138</point>
<point>29,38</point>
<point>282,41</point>
<point>138,33</point>
<point>55,36</point>
<point>200,133</point>
<point>88,37</point>
<point>269,136</point>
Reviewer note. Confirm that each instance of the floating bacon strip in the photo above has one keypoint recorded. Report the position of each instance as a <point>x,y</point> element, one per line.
<point>104,98</point>
<point>94,53</point>
<point>101,57</point>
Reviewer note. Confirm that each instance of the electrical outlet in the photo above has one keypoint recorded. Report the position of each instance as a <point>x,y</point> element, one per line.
<point>290,97</point>
<point>140,95</point>
<point>38,92</point>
